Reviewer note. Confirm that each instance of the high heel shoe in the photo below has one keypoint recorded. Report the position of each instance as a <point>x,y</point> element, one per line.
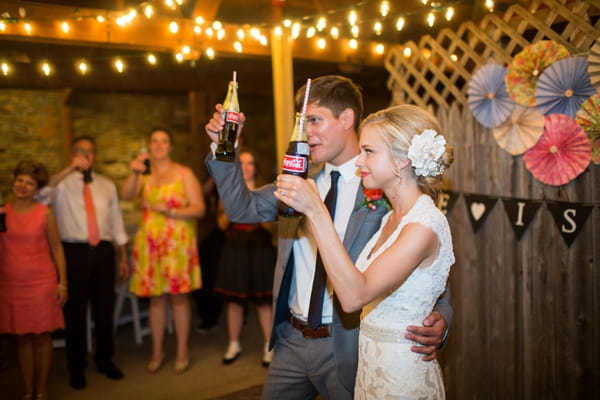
<point>181,366</point>
<point>154,366</point>
<point>233,352</point>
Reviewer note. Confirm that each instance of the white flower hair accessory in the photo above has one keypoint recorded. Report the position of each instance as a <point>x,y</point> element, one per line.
<point>425,153</point>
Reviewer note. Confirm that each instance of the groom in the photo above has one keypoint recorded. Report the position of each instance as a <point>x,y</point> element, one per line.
<point>310,361</point>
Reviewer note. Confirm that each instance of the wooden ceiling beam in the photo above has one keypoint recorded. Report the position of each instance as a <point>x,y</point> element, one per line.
<point>206,9</point>
<point>153,34</point>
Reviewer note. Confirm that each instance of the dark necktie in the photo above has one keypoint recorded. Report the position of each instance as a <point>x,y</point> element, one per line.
<point>315,309</point>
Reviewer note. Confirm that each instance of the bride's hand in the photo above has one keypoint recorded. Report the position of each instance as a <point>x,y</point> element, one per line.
<point>298,193</point>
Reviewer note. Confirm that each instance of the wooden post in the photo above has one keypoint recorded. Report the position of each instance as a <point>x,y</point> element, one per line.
<point>283,89</point>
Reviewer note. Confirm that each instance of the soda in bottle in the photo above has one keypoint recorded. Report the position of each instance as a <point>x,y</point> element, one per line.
<point>295,160</point>
<point>228,135</point>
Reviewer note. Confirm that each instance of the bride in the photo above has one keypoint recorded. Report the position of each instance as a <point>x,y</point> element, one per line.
<point>404,267</point>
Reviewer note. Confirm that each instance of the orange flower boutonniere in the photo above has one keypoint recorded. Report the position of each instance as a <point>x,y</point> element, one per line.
<point>373,199</point>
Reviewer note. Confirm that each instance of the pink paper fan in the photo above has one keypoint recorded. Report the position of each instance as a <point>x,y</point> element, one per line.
<point>562,152</point>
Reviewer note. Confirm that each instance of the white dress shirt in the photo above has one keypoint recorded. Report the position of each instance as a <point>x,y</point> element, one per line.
<point>68,204</point>
<point>305,247</point>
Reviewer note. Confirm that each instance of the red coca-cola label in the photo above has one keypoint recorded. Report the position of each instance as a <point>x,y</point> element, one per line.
<point>293,163</point>
<point>232,116</point>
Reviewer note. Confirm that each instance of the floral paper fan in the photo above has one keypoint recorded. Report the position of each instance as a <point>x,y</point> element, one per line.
<point>563,86</point>
<point>588,117</point>
<point>562,152</point>
<point>487,97</point>
<point>521,131</point>
<point>523,73</point>
<point>594,64</point>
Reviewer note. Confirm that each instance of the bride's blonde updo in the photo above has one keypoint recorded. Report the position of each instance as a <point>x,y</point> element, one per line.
<point>397,126</point>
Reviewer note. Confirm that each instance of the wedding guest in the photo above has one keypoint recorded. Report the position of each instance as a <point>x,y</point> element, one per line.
<point>246,271</point>
<point>33,279</point>
<point>166,266</point>
<point>90,223</point>
<point>316,348</point>
<point>404,267</point>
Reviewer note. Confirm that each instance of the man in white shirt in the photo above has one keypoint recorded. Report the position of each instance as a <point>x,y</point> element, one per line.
<point>321,359</point>
<point>76,194</point>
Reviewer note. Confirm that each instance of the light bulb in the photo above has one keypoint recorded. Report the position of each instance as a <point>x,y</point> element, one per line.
<point>400,23</point>
<point>173,27</point>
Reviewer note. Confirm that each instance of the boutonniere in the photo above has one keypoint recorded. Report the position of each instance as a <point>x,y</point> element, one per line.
<point>373,199</point>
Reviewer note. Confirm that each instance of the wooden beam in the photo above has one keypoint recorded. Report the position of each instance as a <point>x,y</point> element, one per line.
<point>66,124</point>
<point>206,9</point>
<point>154,35</point>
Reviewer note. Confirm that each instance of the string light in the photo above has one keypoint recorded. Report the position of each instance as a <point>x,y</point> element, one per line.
<point>241,35</point>
<point>237,46</point>
<point>179,57</point>
<point>217,25</point>
<point>5,68</point>
<point>379,48</point>
<point>334,32</point>
<point>173,27</point>
<point>197,29</point>
<point>321,43</point>
<point>400,23</point>
<point>296,28</point>
<point>65,27</point>
<point>28,28</point>
<point>148,11</point>
<point>449,13</point>
<point>2,26</point>
<point>384,8</point>
<point>377,27</point>
<point>263,40</point>
<point>199,20</point>
<point>185,50</point>
<point>430,19</point>
<point>489,4</point>
<point>278,31</point>
<point>46,68</point>
<point>220,34</point>
<point>321,24</point>
<point>352,17</point>
<point>310,32</point>
<point>119,65</point>
<point>151,59</point>
<point>355,30</point>
<point>210,53</point>
<point>407,52</point>
<point>353,44</point>
<point>82,67</point>
<point>209,31</point>
<point>100,19</point>
<point>287,23</point>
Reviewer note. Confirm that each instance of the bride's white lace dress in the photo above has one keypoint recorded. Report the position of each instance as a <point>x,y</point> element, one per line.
<point>387,368</point>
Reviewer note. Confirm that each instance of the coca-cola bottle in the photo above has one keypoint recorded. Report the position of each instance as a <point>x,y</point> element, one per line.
<point>144,150</point>
<point>295,161</point>
<point>2,215</point>
<point>227,136</point>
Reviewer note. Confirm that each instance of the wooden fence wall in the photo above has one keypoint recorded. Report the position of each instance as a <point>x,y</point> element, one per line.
<point>527,312</point>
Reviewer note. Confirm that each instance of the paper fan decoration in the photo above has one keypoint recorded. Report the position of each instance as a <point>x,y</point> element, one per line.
<point>563,86</point>
<point>487,97</point>
<point>588,117</point>
<point>562,152</point>
<point>521,131</point>
<point>523,73</point>
<point>594,64</point>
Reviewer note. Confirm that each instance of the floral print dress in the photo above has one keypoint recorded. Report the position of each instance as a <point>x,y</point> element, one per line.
<point>165,253</point>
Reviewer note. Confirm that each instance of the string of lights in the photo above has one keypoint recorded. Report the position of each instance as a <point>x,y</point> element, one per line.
<point>362,25</point>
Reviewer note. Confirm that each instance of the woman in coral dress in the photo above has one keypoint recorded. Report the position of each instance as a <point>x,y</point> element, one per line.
<point>166,265</point>
<point>33,280</point>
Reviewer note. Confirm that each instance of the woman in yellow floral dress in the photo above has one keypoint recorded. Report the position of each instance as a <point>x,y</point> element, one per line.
<point>166,265</point>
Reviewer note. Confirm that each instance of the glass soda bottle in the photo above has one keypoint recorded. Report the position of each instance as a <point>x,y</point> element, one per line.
<point>144,150</point>
<point>295,161</point>
<point>2,215</point>
<point>227,136</point>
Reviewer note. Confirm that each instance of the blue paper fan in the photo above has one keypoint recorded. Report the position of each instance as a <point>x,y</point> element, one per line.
<point>487,97</point>
<point>563,87</point>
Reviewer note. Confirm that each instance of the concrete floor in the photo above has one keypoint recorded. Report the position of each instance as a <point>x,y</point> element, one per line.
<point>207,377</point>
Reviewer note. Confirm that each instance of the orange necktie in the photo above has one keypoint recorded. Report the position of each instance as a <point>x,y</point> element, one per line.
<point>90,212</point>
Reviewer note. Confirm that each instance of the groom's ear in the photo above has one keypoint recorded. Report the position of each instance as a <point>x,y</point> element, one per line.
<point>347,118</point>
